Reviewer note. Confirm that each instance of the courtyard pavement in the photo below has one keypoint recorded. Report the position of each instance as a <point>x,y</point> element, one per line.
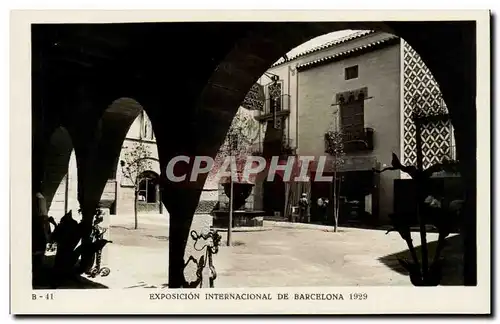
<point>278,256</point>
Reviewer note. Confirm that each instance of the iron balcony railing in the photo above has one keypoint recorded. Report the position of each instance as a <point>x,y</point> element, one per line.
<point>353,140</point>
<point>286,147</point>
<point>279,106</point>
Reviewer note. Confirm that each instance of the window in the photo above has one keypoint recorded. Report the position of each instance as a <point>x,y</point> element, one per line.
<point>148,189</point>
<point>352,117</point>
<point>351,72</point>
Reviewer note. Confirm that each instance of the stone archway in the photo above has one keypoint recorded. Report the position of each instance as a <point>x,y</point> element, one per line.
<point>209,88</point>
<point>110,134</point>
<point>450,55</point>
<point>97,157</point>
<point>56,178</point>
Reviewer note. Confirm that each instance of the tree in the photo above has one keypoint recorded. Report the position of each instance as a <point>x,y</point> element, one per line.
<point>335,147</point>
<point>241,135</point>
<point>135,162</point>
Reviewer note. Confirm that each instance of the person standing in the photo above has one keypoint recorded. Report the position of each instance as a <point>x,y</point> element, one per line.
<point>319,209</point>
<point>325,208</point>
<point>303,205</point>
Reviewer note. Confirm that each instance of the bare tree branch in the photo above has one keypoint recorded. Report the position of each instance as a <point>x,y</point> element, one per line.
<point>136,161</point>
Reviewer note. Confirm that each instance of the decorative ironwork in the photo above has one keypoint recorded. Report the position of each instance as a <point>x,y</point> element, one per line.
<point>81,258</point>
<point>96,236</point>
<point>275,108</point>
<point>358,140</point>
<point>206,260</point>
<point>351,140</point>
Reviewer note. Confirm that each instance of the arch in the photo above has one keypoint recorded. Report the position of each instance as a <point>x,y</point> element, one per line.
<point>448,50</point>
<point>114,125</point>
<point>55,179</point>
<point>252,55</point>
<point>246,51</point>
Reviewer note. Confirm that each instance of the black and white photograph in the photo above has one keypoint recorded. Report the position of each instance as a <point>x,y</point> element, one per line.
<point>270,159</point>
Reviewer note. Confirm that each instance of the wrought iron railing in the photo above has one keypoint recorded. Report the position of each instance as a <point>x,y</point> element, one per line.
<point>205,273</point>
<point>287,147</point>
<point>358,140</point>
<point>278,104</point>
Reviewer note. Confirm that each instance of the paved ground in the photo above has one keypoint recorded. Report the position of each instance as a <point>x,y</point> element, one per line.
<point>309,257</point>
<point>278,256</point>
<point>137,258</point>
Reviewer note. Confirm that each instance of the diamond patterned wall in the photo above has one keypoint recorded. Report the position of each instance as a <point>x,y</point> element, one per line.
<point>421,91</point>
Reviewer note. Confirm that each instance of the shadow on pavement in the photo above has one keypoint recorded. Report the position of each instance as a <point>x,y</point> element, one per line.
<point>452,255</point>
<point>145,285</point>
<point>45,278</point>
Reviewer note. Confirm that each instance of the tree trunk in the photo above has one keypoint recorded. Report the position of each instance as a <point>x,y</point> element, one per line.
<point>335,202</point>
<point>135,209</point>
<point>337,210</point>
<point>230,225</point>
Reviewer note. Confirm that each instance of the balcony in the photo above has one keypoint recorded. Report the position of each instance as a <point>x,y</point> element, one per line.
<point>353,141</point>
<point>279,107</point>
<point>358,140</point>
<point>272,148</point>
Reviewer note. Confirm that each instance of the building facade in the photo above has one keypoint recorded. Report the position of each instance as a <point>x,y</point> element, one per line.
<point>366,85</point>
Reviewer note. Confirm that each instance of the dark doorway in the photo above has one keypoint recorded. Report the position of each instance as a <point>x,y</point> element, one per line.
<point>274,196</point>
<point>149,200</point>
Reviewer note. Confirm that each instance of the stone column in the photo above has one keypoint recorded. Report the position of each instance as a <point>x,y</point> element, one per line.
<point>202,223</point>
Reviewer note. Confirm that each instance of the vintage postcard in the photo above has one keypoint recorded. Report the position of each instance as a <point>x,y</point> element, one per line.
<point>250,162</point>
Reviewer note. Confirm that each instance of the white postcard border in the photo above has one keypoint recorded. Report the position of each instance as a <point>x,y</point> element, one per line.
<point>381,300</point>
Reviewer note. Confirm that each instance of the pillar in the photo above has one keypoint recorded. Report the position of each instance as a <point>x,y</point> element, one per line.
<point>181,201</point>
